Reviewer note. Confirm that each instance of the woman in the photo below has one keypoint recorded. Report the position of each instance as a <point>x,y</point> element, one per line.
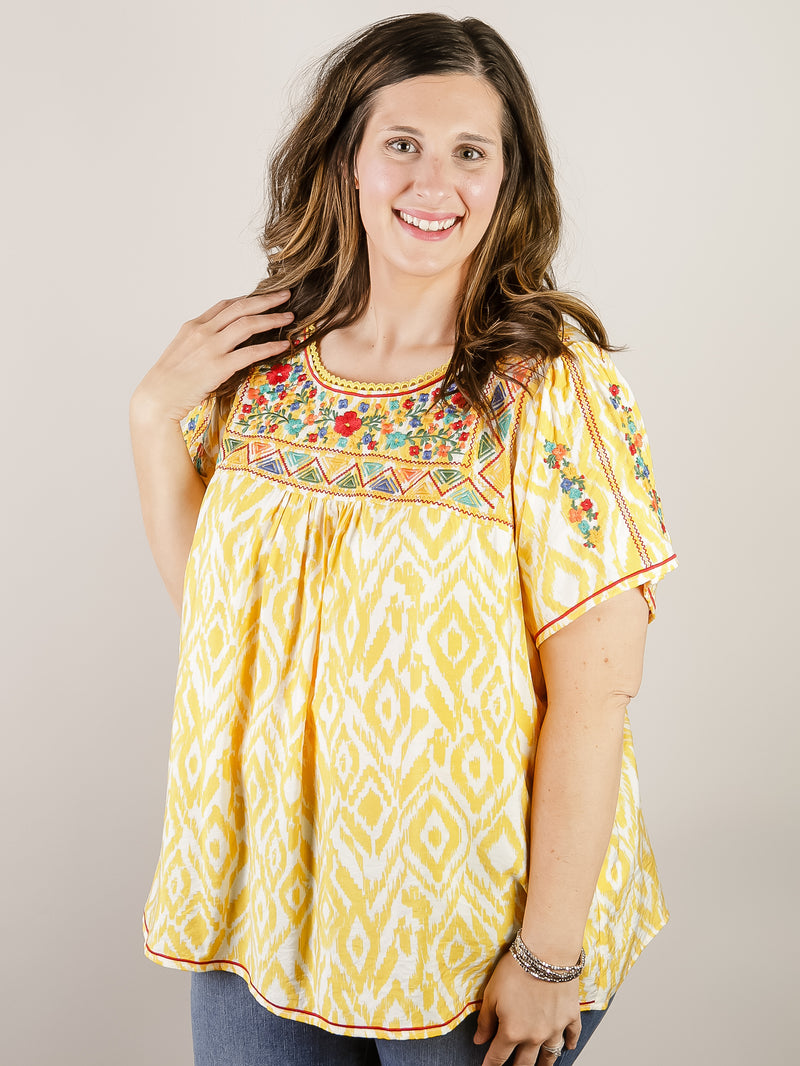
<point>422,539</point>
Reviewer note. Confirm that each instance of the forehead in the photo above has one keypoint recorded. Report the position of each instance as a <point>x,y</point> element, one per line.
<point>442,101</point>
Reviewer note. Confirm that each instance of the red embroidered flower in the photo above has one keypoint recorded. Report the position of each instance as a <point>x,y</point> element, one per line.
<point>371,445</point>
<point>408,403</point>
<point>458,400</point>
<point>458,424</point>
<point>261,401</point>
<point>313,437</point>
<point>463,436</point>
<point>414,449</point>
<point>438,415</point>
<point>632,449</point>
<point>312,392</point>
<point>247,407</point>
<point>587,505</point>
<point>346,423</point>
<point>614,390</point>
<point>273,427</point>
<point>279,373</point>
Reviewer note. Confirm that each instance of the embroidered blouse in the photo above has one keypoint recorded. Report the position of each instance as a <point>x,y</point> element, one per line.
<point>355,721</point>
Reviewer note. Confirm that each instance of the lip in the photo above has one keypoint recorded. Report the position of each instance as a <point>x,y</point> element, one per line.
<point>427,235</point>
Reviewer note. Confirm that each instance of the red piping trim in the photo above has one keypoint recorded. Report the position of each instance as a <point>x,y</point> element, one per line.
<point>599,592</point>
<point>216,963</point>
<point>605,461</point>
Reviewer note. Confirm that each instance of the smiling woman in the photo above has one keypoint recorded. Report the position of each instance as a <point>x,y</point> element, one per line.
<point>413,532</point>
<point>429,181</point>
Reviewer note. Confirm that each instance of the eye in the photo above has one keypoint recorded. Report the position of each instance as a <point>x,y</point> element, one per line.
<point>470,154</point>
<point>404,146</point>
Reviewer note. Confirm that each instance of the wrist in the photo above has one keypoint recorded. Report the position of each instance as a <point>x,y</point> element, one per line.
<point>560,947</point>
<point>148,410</point>
<point>543,969</point>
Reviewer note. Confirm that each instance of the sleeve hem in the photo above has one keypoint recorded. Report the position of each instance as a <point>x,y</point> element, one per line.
<point>647,576</point>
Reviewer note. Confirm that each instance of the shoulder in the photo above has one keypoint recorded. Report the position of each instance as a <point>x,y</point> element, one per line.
<point>582,373</point>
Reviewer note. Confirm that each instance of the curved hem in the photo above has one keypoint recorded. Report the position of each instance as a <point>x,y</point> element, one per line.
<point>385,1032</point>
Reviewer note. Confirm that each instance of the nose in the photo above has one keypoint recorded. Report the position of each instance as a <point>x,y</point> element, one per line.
<point>431,183</point>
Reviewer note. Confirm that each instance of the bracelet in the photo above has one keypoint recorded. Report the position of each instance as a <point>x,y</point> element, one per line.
<point>543,970</point>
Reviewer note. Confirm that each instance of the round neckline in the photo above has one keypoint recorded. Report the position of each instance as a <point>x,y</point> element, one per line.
<point>371,388</point>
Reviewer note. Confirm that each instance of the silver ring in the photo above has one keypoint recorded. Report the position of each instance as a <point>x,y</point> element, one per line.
<point>553,1050</point>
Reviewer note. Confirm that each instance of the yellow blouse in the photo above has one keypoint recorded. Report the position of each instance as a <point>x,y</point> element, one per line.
<point>355,721</point>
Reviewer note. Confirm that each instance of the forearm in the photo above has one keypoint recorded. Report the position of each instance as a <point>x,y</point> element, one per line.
<point>576,784</point>
<point>170,490</point>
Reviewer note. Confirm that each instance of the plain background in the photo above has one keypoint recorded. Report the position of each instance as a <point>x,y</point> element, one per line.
<point>136,137</point>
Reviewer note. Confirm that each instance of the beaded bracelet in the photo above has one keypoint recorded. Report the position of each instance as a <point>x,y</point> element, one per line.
<point>543,970</point>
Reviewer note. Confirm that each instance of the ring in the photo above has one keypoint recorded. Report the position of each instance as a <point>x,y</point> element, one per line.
<point>553,1050</point>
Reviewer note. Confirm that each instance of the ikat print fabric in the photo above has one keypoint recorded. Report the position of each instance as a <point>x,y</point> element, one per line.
<point>355,720</point>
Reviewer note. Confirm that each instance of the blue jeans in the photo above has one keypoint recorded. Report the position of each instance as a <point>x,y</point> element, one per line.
<point>231,1028</point>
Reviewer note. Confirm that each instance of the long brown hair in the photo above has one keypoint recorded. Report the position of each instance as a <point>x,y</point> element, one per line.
<point>315,242</point>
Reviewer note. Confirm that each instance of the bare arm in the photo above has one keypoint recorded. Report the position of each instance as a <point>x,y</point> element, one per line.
<point>170,491</point>
<point>592,669</point>
<point>202,356</point>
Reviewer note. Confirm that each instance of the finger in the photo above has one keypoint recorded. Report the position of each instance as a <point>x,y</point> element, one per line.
<point>571,1034</point>
<point>255,353</point>
<point>209,314</point>
<point>487,1024</point>
<point>244,328</point>
<point>550,1051</point>
<point>246,305</point>
<point>499,1052</point>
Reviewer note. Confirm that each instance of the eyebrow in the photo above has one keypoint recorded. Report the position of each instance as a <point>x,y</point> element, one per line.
<point>464,136</point>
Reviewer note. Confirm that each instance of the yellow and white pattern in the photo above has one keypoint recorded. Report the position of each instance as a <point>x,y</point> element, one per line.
<point>355,722</point>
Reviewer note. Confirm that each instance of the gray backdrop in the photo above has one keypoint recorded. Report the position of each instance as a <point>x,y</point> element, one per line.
<point>136,136</point>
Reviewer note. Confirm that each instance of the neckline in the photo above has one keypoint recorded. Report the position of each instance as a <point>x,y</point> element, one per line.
<point>370,388</point>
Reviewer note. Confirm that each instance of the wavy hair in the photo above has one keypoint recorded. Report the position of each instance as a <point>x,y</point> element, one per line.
<point>316,244</point>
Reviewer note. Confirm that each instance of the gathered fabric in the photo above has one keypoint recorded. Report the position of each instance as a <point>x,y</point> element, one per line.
<point>356,710</point>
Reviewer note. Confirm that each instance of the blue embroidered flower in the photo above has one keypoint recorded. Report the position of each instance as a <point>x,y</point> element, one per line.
<point>192,423</point>
<point>342,403</point>
<point>566,484</point>
<point>363,407</point>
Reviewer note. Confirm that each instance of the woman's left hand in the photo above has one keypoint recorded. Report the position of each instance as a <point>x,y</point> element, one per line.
<point>528,1015</point>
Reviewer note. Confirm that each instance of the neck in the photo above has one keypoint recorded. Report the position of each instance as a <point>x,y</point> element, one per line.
<point>409,313</point>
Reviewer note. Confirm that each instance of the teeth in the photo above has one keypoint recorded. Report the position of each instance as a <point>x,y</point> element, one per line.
<point>425,225</point>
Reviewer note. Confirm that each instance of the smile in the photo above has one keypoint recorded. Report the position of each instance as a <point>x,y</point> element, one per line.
<point>429,225</point>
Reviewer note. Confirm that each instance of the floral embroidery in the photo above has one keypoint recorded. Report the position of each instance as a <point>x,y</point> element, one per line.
<point>580,510</point>
<point>293,425</point>
<point>635,442</point>
<point>282,398</point>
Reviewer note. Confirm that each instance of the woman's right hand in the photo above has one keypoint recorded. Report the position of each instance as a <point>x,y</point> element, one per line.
<point>204,353</point>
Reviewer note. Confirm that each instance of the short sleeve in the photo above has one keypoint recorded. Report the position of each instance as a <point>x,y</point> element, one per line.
<point>588,518</point>
<point>202,432</point>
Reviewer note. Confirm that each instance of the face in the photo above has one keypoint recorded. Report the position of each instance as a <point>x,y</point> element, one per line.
<point>428,171</point>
